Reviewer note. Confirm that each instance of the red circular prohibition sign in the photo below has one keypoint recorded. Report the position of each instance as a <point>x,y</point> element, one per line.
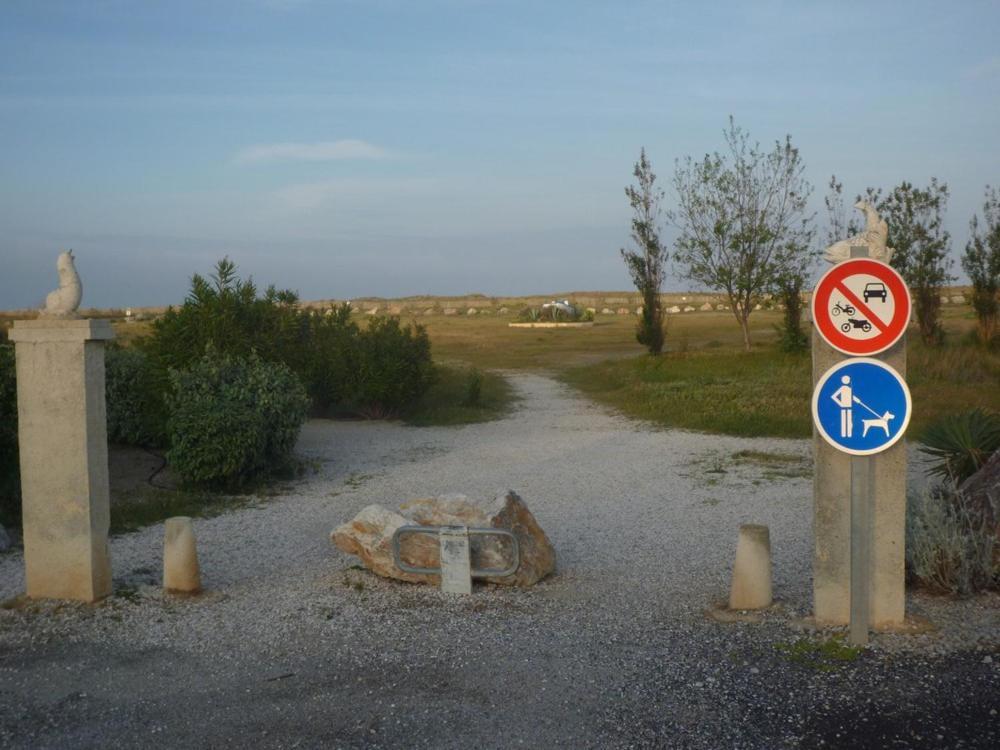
<point>888,332</point>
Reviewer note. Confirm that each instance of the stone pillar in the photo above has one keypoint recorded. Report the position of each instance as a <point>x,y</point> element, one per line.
<point>62,432</point>
<point>832,516</point>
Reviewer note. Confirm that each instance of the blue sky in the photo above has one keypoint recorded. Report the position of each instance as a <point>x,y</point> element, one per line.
<point>384,147</point>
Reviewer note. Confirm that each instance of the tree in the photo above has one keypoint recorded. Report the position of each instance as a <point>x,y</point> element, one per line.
<point>646,264</point>
<point>981,261</point>
<point>742,219</point>
<point>788,289</point>
<point>916,232</point>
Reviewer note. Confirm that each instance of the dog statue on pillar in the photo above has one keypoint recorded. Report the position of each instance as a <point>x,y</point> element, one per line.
<point>64,301</point>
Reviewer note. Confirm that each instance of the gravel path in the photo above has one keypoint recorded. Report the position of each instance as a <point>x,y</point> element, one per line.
<point>294,647</point>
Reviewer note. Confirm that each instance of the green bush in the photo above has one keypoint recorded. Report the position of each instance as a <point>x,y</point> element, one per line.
<point>233,419</point>
<point>226,313</point>
<point>10,475</point>
<point>136,413</point>
<point>951,546</point>
<point>962,443</point>
<point>392,369</point>
<point>332,361</point>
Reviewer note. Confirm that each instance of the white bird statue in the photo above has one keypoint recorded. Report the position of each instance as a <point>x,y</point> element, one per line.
<point>874,236</point>
<point>64,301</point>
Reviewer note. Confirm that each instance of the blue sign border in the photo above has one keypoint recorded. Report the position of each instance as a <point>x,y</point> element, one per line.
<point>821,387</point>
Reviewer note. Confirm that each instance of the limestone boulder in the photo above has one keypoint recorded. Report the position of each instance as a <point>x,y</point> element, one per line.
<point>369,536</point>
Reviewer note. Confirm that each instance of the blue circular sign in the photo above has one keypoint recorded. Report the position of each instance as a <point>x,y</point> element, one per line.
<point>861,406</point>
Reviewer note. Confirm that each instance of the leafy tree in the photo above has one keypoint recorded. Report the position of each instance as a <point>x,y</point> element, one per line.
<point>646,264</point>
<point>981,261</point>
<point>742,219</point>
<point>916,232</point>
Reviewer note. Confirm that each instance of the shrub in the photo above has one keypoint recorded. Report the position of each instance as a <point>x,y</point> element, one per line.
<point>962,443</point>
<point>226,313</point>
<point>10,474</point>
<point>393,368</point>
<point>233,419</point>
<point>332,360</point>
<point>950,545</point>
<point>136,414</point>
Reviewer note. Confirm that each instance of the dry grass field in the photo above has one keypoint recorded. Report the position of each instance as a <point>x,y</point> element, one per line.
<point>704,380</point>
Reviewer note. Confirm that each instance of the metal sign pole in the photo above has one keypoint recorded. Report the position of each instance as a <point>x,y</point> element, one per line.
<point>861,507</point>
<point>861,529</point>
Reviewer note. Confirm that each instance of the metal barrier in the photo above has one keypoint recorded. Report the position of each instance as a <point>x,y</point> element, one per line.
<point>456,570</point>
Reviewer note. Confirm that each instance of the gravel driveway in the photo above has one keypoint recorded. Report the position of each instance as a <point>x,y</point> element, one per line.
<point>293,646</point>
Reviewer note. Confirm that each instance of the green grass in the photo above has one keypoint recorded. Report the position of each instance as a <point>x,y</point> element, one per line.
<point>767,393</point>
<point>823,656</point>
<point>735,393</point>
<point>705,381</point>
<point>453,400</point>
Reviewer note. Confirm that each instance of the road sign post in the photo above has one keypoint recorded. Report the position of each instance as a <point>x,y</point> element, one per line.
<point>860,307</point>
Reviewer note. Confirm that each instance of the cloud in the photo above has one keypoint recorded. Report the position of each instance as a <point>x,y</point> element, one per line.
<point>322,151</point>
<point>986,69</point>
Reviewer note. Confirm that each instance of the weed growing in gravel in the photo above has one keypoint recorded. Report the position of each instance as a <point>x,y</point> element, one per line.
<point>775,465</point>
<point>823,656</point>
<point>355,481</point>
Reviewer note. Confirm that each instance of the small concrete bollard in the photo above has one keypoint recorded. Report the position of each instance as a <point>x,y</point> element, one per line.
<point>751,588</point>
<point>180,556</point>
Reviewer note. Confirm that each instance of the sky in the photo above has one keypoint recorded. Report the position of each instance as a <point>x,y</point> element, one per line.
<point>391,147</point>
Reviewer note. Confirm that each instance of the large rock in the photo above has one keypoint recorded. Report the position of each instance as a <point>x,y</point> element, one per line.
<point>369,536</point>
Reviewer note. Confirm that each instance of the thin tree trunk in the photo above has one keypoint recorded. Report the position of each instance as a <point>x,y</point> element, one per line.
<point>745,325</point>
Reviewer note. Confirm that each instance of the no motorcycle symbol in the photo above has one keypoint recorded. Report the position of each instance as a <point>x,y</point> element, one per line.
<point>861,306</point>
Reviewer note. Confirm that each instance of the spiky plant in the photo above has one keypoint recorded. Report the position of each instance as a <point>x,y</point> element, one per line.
<point>962,443</point>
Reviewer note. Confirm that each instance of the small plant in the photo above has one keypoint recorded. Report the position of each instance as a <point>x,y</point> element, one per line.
<point>473,387</point>
<point>824,656</point>
<point>233,419</point>
<point>529,315</point>
<point>951,546</point>
<point>962,443</point>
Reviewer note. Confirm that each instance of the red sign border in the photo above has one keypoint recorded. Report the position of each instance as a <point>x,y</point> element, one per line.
<point>829,331</point>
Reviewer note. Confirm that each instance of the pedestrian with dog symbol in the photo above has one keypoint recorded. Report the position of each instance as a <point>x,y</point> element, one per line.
<point>844,398</point>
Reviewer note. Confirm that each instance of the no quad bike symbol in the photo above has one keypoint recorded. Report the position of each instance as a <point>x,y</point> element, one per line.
<point>861,306</point>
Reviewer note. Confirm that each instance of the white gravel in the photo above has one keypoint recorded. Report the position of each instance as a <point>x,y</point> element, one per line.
<point>644,523</point>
